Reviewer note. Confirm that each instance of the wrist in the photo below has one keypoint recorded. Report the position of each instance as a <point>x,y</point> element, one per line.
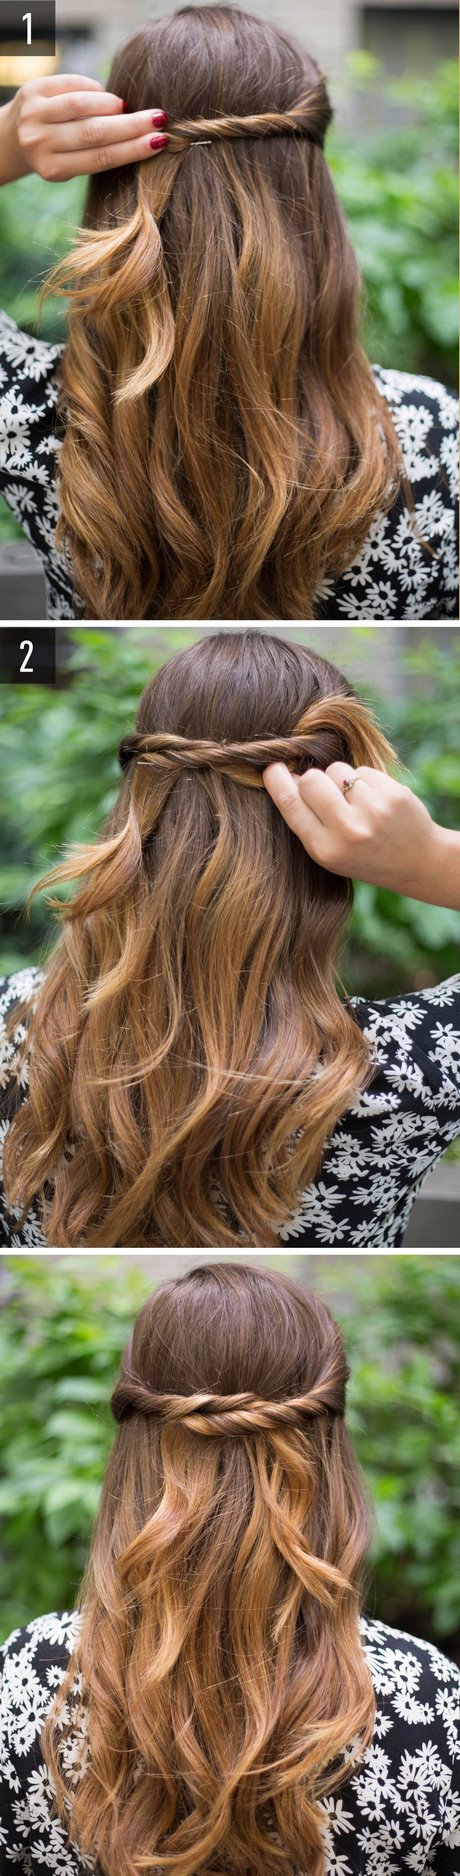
<point>12,161</point>
<point>436,873</point>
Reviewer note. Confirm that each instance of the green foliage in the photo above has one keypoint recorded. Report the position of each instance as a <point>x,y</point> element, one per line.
<point>61,1336</point>
<point>38,221</point>
<point>62,1329</point>
<point>60,775</point>
<point>401,1318</point>
<point>60,769</point>
<point>399,943</point>
<point>399,189</point>
<point>9,527</point>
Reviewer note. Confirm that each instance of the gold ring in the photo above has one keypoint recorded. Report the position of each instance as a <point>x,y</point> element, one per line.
<point>348,783</point>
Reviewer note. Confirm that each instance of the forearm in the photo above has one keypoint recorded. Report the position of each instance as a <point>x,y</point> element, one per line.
<point>12,164</point>
<point>436,871</point>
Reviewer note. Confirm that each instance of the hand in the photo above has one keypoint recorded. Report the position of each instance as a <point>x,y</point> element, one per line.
<point>69,126</point>
<point>379,832</point>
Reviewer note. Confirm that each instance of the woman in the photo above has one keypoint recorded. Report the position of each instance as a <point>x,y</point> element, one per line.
<point>194,1077</point>
<point>224,448</point>
<point>218,1702</point>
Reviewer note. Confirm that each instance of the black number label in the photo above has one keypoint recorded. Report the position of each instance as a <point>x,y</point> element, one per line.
<point>24,34</point>
<point>27,646</point>
<point>27,660</point>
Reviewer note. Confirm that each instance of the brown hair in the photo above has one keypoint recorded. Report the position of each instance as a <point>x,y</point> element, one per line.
<point>226,446</point>
<point>224,1687</point>
<point>189,1040</point>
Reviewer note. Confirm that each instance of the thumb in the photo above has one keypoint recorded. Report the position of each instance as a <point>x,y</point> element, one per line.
<point>281,784</point>
<point>284,789</point>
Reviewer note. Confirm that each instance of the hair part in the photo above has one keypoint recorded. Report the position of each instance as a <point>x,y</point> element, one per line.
<point>226,448</point>
<point>224,1689</point>
<point>189,1052</point>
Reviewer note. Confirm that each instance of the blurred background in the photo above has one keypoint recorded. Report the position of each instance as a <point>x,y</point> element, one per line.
<point>63,1323</point>
<point>392,151</point>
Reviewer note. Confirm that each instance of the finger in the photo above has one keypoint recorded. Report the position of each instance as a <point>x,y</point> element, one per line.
<point>374,778</point>
<point>67,81</point>
<point>71,104</point>
<point>284,789</point>
<point>343,771</point>
<point>110,156</point>
<point>90,132</point>
<point>325,799</point>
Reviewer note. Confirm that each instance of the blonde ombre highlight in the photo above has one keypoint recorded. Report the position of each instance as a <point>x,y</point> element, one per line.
<point>226,448</point>
<point>223,1687</point>
<point>189,1052</point>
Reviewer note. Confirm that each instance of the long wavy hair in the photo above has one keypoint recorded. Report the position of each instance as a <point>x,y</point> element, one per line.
<point>224,1690</point>
<point>189,1052</point>
<point>226,447</point>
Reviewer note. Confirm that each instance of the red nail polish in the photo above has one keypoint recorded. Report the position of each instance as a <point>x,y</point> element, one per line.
<point>159,117</point>
<point>124,105</point>
<point>158,143</point>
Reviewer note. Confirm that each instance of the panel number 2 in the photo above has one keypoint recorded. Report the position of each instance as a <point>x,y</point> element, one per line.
<point>27,646</point>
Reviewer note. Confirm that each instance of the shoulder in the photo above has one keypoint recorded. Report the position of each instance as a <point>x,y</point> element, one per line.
<point>425,417</point>
<point>20,988</point>
<point>419,1034</point>
<point>18,994</point>
<point>417,1710</point>
<point>47,1639</point>
<point>411,1009</point>
<point>408,1782</point>
<point>25,356</point>
<point>406,391</point>
<point>422,1683</point>
<point>33,1661</point>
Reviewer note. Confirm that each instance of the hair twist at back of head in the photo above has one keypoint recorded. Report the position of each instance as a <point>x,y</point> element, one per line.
<point>315,739</point>
<point>307,118</point>
<point>227,1414</point>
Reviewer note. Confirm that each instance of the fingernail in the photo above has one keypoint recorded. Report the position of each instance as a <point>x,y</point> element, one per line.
<point>124,105</point>
<point>280,776</point>
<point>158,143</point>
<point>159,117</point>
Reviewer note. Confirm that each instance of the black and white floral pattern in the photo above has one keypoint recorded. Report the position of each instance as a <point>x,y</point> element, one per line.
<point>393,576</point>
<point>376,1160</point>
<point>398,1812</point>
<point>378,1156</point>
